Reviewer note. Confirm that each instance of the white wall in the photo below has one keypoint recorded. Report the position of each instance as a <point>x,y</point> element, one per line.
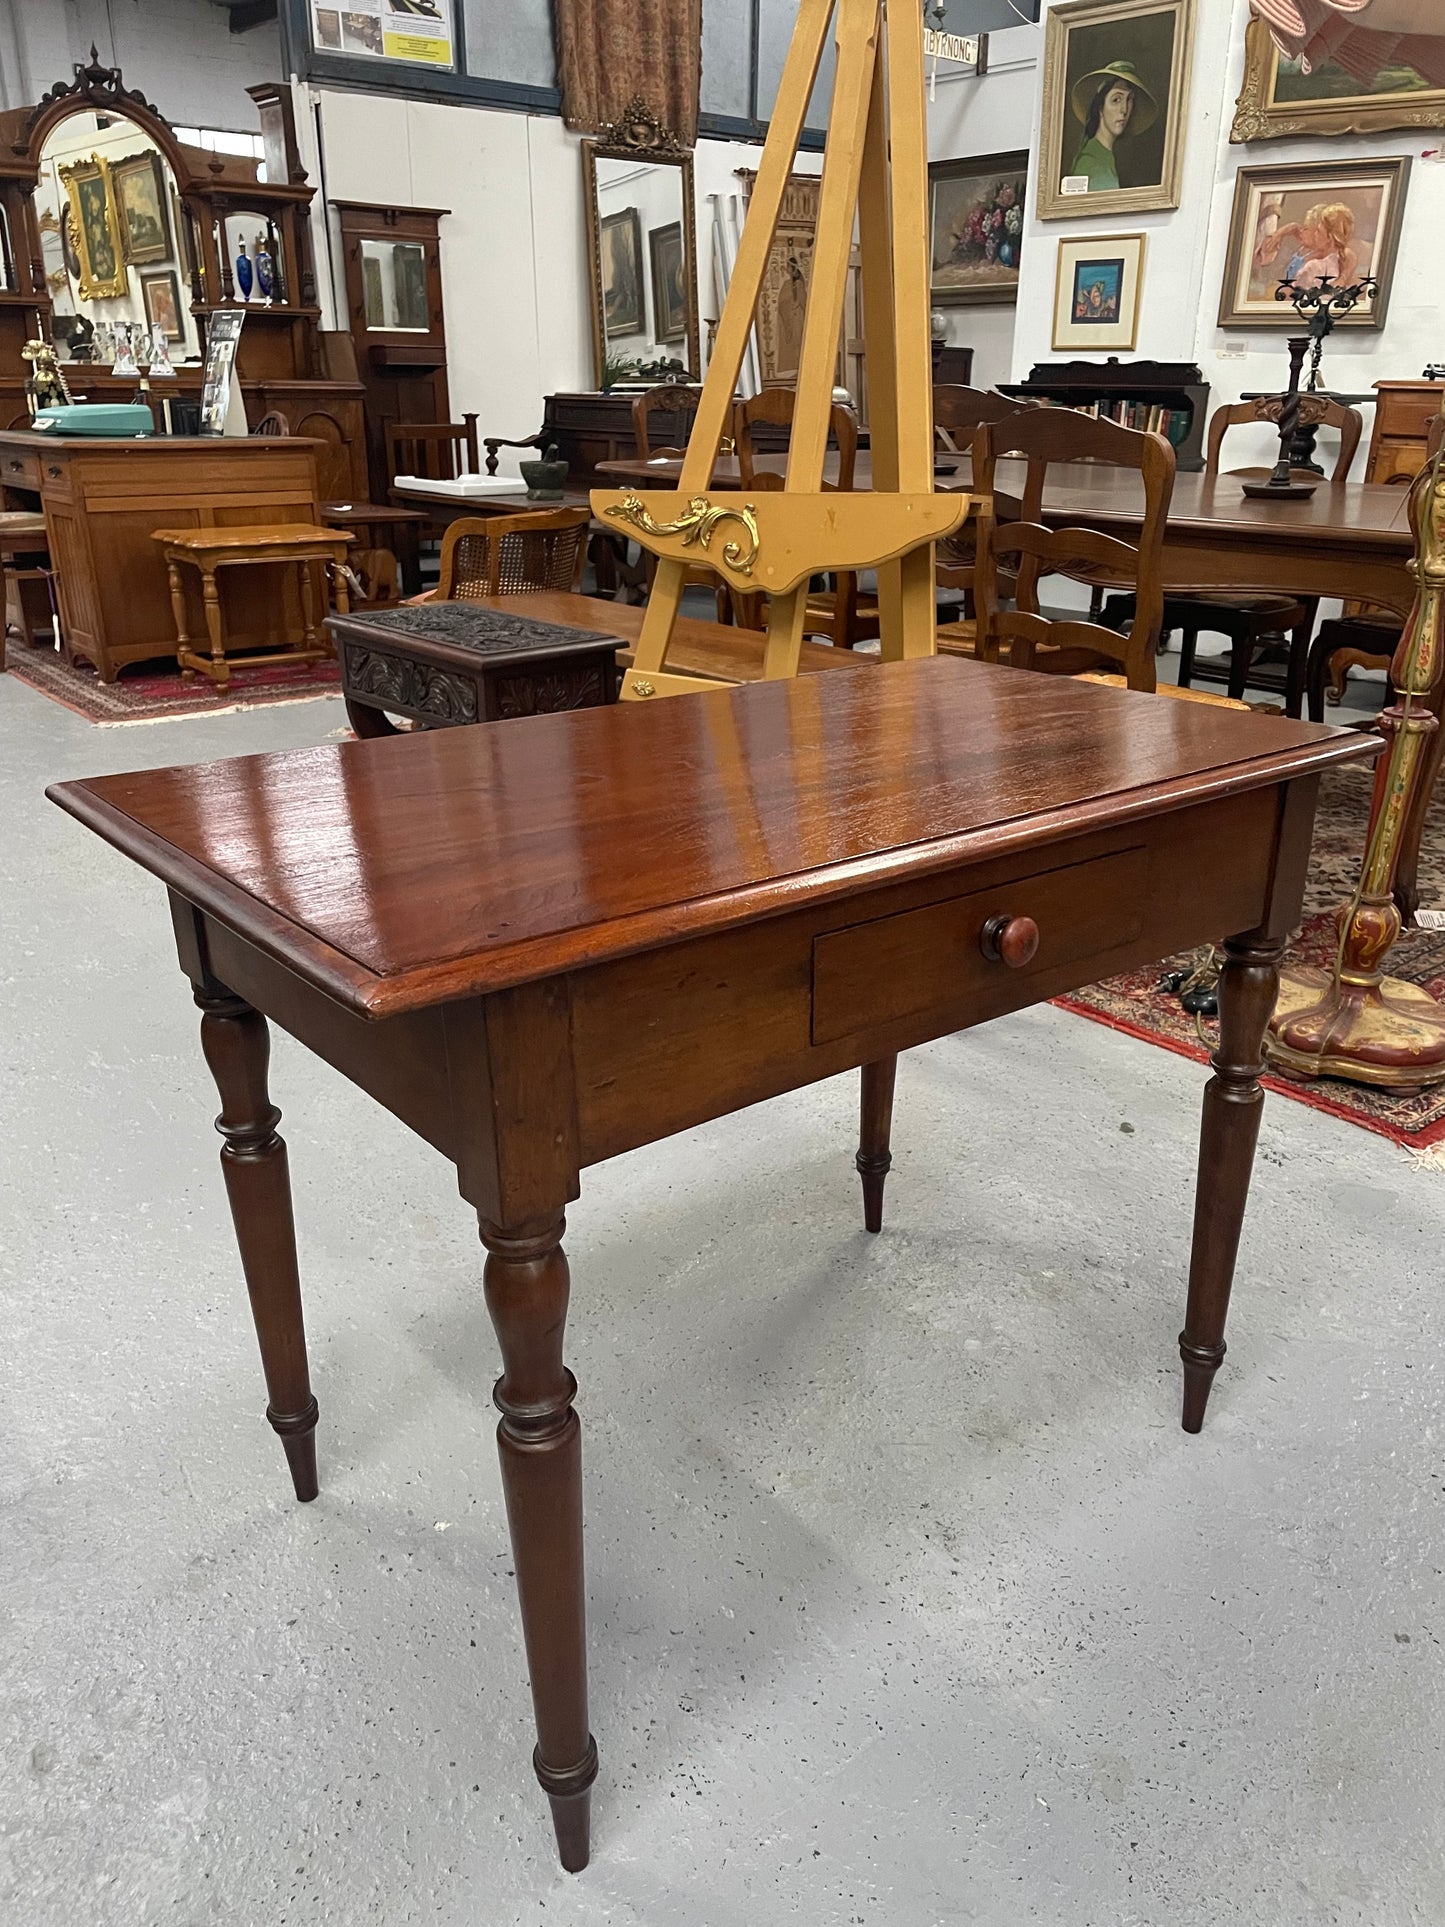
<point>180,54</point>
<point>986,114</point>
<point>513,248</point>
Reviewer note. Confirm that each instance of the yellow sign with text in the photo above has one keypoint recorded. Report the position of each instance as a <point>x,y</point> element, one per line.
<point>417,46</point>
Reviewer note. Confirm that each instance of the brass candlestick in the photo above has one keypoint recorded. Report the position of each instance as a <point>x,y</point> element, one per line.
<point>1354,1021</point>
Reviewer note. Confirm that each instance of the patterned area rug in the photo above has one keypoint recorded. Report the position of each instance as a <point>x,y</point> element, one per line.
<point>144,693</point>
<point>1130,1003</point>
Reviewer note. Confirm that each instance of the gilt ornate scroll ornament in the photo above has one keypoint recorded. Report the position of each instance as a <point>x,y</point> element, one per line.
<point>695,525</point>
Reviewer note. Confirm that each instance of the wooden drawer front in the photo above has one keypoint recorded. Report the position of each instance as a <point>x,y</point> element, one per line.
<point>925,959</point>
<point>1407,412</point>
<point>20,469</point>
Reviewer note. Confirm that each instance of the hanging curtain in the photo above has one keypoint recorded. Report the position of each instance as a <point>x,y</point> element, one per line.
<point>613,52</point>
<point>1362,36</point>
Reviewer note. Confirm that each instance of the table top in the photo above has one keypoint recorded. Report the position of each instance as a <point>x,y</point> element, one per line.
<point>716,650</point>
<point>252,535</point>
<point>365,514</point>
<point>409,871</point>
<point>1369,514</point>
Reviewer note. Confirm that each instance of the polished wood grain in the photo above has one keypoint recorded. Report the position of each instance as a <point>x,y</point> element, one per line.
<point>774,795</point>
<point>542,944</point>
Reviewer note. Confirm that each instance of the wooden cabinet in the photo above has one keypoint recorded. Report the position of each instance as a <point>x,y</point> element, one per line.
<point>103,499</point>
<point>392,258</point>
<point>1128,392</point>
<point>1404,411</point>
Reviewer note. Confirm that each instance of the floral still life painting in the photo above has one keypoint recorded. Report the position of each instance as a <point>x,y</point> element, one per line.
<point>976,222</point>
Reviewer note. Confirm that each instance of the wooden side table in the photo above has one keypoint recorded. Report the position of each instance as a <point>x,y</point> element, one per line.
<point>210,550</point>
<point>445,663</point>
<point>375,524</point>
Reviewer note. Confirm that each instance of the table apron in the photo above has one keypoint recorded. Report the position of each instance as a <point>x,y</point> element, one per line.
<point>667,1040</point>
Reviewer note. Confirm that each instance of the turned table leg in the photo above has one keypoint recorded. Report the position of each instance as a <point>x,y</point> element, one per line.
<point>1233,1099</point>
<point>540,1443</point>
<point>211,596</point>
<point>237,1045</point>
<point>178,610</point>
<point>874,1159</point>
<point>308,605</point>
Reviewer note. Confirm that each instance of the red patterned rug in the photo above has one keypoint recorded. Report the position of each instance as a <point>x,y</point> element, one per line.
<point>1132,1004</point>
<point>146,693</point>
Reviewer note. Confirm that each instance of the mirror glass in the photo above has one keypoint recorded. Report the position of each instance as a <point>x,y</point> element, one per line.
<point>393,279</point>
<point>645,287</point>
<point>110,228</point>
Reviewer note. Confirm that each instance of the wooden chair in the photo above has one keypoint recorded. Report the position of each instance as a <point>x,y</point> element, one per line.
<point>841,614</point>
<point>274,423</point>
<point>487,555</point>
<point>1070,644</point>
<point>441,451</point>
<point>1360,638</point>
<point>1252,620</point>
<point>957,413</point>
<point>678,401</point>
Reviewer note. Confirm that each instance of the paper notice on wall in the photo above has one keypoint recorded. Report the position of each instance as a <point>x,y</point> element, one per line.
<point>411,30</point>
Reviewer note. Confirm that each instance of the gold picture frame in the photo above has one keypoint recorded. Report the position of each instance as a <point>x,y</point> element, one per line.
<point>1260,115</point>
<point>1338,218</point>
<point>95,226</point>
<point>140,201</point>
<point>1146,46</point>
<point>1098,281</point>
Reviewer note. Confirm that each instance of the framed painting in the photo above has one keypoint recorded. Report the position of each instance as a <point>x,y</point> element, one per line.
<point>668,260</point>
<point>1308,223</point>
<point>1096,292</point>
<point>140,196</point>
<point>1283,94</point>
<point>975,225</point>
<point>1116,92</point>
<point>621,251</point>
<point>95,229</point>
<point>160,291</point>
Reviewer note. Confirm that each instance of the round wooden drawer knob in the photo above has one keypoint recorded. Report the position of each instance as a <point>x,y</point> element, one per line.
<point>1010,940</point>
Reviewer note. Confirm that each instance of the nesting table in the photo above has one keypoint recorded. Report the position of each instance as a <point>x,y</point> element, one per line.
<point>545,944</point>
<point>209,550</point>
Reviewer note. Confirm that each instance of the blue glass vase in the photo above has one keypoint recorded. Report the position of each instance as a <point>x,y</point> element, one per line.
<point>243,271</point>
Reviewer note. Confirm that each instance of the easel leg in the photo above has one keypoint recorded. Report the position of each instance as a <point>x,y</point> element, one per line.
<point>540,1443</point>
<point>874,1159</point>
<point>237,1047</point>
<point>1233,1100</point>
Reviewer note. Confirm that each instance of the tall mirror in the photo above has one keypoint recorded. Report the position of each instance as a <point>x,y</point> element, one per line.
<point>113,234</point>
<point>642,249</point>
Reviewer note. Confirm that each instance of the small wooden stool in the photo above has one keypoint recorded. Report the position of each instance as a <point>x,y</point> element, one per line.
<point>211,549</point>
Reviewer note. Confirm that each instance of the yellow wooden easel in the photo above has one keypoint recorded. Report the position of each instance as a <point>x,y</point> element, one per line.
<point>775,541</point>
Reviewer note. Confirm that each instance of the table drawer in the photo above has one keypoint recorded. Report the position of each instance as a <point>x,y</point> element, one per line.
<point>922,960</point>
<point>20,469</point>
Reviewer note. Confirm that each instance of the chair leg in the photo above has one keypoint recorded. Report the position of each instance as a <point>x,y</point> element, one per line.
<point>1322,651</point>
<point>1189,642</point>
<point>1241,656</point>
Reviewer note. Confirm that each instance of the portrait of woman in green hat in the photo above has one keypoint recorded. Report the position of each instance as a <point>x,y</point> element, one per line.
<point>1112,103</point>
<point>1116,83</point>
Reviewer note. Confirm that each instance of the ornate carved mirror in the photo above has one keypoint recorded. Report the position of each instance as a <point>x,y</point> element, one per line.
<point>642,250</point>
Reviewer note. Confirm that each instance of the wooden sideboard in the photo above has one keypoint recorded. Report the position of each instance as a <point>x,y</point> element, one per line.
<point>1404,411</point>
<point>102,499</point>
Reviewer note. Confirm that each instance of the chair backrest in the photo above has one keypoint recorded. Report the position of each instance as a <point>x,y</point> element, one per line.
<point>774,406</point>
<point>439,450</point>
<point>677,403</point>
<point>1315,411</point>
<point>274,423</point>
<point>958,411</point>
<point>1033,550</point>
<point>485,555</point>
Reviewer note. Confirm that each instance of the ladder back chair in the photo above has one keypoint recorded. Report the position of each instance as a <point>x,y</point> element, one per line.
<point>489,555</point>
<point>1029,550</point>
<point>440,451</point>
<point>1252,620</point>
<point>842,615</point>
<point>958,412</point>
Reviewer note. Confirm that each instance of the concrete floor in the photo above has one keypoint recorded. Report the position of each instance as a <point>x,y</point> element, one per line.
<point>910,1602</point>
